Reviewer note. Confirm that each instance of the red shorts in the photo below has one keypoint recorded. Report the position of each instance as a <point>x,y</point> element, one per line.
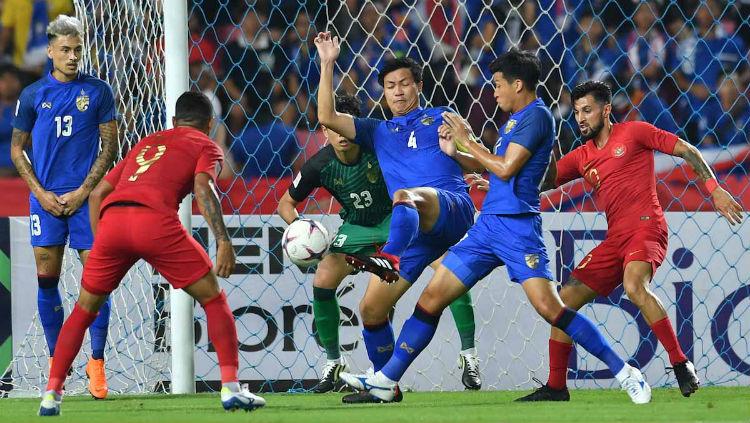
<point>127,234</point>
<point>602,269</point>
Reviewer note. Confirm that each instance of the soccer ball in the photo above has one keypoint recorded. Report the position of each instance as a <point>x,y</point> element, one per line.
<point>304,242</point>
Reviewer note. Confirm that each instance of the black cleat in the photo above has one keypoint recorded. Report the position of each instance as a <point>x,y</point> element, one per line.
<point>470,377</point>
<point>364,397</point>
<point>545,393</point>
<point>686,378</point>
<point>330,380</point>
<point>383,265</point>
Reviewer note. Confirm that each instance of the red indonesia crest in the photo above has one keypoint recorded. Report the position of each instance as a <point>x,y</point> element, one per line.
<point>618,150</point>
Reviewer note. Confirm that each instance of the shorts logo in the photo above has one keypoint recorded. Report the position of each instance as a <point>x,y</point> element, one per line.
<point>618,150</point>
<point>404,346</point>
<point>427,120</point>
<point>82,101</point>
<point>509,126</point>
<point>385,348</point>
<point>532,260</point>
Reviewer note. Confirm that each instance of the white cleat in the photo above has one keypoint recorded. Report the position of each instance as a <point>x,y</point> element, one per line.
<point>378,385</point>
<point>50,405</point>
<point>632,381</point>
<point>242,400</point>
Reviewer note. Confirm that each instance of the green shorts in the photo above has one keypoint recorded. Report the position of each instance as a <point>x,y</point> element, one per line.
<point>357,239</point>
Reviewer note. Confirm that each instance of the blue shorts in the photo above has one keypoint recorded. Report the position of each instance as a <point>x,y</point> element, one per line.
<point>456,217</point>
<point>513,240</point>
<point>48,230</point>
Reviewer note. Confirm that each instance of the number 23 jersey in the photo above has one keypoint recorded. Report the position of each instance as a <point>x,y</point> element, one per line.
<point>159,171</point>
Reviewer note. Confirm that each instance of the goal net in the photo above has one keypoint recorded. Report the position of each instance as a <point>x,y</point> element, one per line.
<point>682,67</point>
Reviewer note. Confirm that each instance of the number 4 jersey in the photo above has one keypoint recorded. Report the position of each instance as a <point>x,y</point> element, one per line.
<point>63,119</point>
<point>358,187</point>
<point>159,171</point>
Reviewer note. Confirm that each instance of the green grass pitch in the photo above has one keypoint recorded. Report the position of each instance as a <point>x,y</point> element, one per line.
<point>710,404</point>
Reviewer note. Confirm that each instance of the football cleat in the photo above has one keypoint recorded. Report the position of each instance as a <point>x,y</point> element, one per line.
<point>330,380</point>
<point>635,385</point>
<point>364,397</point>
<point>50,405</point>
<point>242,400</point>
<point>470,364</point>
<point>383,265</point>
<point>686,378</point>
<point>97,378</point>
<point>545,393</point>
<point>377,386</point>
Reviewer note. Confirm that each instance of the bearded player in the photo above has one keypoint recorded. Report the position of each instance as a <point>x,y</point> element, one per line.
<point>63,117</point>
<point>617,160</point>
<point>352,175</point>
<point>137,204</point>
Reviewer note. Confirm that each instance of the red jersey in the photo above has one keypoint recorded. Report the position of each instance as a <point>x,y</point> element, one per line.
<point>158,172</point>
<point>621,173</point>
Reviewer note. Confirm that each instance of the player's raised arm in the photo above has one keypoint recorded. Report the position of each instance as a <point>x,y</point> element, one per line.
<point>504,167</point>
<point>210,208</point>
<point>328,51</point>
<point>723,200</point>
<point>49,200</point>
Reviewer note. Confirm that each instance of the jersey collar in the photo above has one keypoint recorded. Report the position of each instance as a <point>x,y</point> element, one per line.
<point>54,80</point>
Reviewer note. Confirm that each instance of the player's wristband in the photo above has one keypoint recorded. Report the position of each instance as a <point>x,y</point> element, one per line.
<point>711,185</point>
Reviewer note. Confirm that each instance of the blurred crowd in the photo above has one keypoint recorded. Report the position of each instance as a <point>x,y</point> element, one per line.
<point>681,65</point>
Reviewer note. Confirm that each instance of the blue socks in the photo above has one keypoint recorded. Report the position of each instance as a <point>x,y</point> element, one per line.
<point>52,315</point>
<point>50,309</point>
<point>585,334</point>
<point>404,228</point>
<point>415,336</point>
<point>98,331</point>
<point>379,343</point>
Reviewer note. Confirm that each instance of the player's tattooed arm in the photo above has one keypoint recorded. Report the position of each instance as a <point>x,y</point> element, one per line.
<point>724,203</point>
<point>109,134</point>
<point>48,200</point>
<point>210,208</point>
<point>550,175</point>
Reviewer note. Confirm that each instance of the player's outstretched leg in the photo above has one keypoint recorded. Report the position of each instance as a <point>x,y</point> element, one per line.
<point>326,313</point>
<point>636,280</point>
<point>413,210</point>
<point>463,315</point>
<point>223,335</point>
<point>544,298</point>
<point>416,334</point>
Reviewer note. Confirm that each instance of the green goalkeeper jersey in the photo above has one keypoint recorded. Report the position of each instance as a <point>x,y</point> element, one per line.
<point>358,187</point>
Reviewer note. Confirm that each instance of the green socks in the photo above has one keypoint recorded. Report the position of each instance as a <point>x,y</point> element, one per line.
<point>463,315</point>
<point>326,315</point>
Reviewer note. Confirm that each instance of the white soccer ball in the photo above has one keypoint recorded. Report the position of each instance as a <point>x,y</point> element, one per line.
<point>305,241</point>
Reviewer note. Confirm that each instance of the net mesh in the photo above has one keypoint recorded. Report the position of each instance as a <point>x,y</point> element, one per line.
<point>680,65</point>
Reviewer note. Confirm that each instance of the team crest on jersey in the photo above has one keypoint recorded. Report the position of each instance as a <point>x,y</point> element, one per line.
<point>82,101</point>
<point>532,260</point>
<point>427,120</point>
<point>618,150</point>
<point>509,126</point>
<point>372,173</point>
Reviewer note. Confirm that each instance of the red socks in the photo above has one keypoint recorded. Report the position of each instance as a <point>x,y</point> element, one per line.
<point>68,344</point>
<point>665,334</point>
<point>559,352</point>
<point>223,334</point>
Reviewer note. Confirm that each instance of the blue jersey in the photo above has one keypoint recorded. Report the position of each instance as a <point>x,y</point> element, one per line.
<point>534,128</point>
<point>63,119</point>
<point>409,152</point>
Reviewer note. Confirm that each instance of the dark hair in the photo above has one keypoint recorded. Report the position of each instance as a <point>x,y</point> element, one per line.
<point>598,89</point>
<point>401,63</point>
<point>518,64</point>
<point>348,104</point>
<point>193,109</point>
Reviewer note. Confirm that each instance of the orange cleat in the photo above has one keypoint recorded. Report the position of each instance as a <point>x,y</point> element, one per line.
<point>97,378</point>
